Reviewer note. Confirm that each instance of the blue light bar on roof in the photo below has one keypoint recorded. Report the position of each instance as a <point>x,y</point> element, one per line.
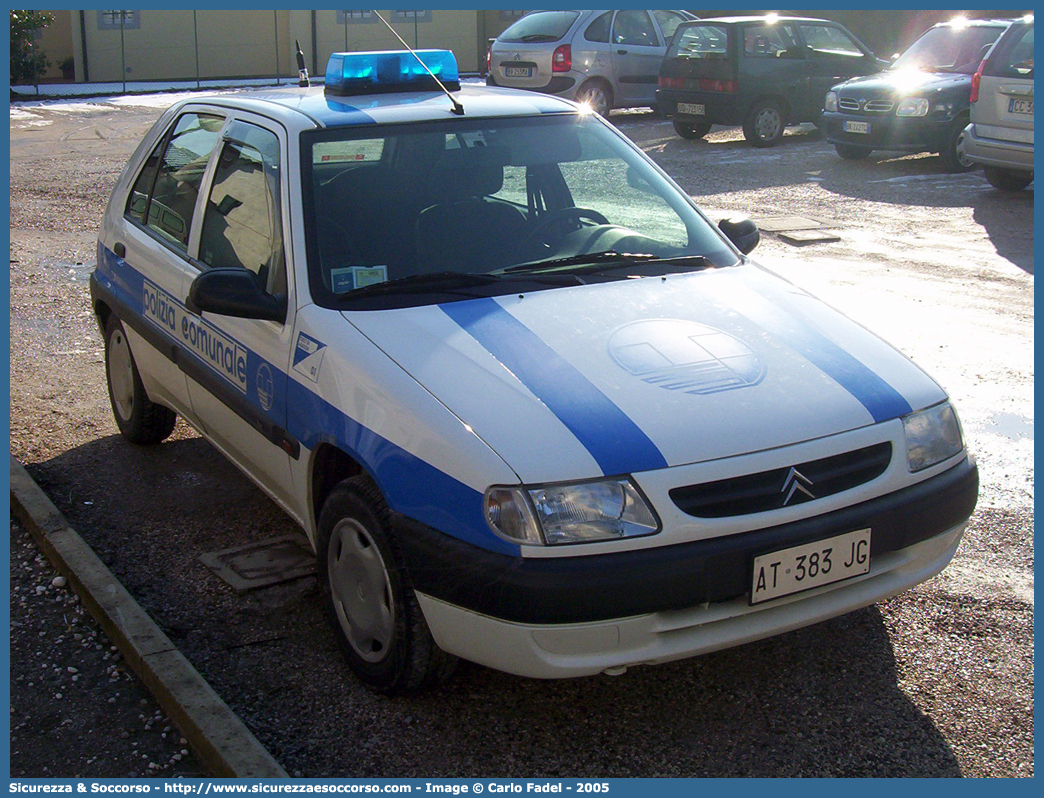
<point>390,71</point>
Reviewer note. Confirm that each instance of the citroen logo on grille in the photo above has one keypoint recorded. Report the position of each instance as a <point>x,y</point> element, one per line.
<point>796,482</point>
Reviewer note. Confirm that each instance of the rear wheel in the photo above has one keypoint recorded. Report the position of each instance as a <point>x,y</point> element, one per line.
<point>139,419</point>
<point>598,95</point>
<point>852,152</point>
<point>764,124</point>
<point>953,156</point>
<point>691,130</point>
<point>1008,179</point>
<point>368,596</point>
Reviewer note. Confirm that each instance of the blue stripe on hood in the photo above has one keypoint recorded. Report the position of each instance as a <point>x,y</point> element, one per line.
<point>616,443</point>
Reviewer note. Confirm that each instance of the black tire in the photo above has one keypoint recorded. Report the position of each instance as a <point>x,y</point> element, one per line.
<point>1007,179</point>
<point>691,130</point>
<point>852,152</point>
<point>368,595</point>
<point>140,420</point>
<point>598,94</point>
<point>952,155</point>
<point>765,122</point>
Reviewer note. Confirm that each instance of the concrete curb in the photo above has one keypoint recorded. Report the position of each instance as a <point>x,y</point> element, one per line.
<point>225,746</point>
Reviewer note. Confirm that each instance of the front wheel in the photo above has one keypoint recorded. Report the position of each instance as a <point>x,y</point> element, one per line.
<point>953,156</point>
<point>852,152</point>
<point>764,124</point>
<point>140,420</point>
<point>691,130</point>
<point>1008,179</point>
<point>368,596</point>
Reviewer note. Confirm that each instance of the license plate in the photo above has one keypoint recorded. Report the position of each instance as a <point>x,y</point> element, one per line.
<point>1020,106</point>
<point>693,109</point>
<point>857,127</point>
<point>810,565</point>
<point>518,72</point>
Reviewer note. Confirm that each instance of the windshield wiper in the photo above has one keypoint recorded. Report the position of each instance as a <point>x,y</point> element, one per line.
<point>447,283</point>
<point>606,261</point>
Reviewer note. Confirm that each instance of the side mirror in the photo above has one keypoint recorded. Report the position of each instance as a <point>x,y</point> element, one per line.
<point>232,291</point>
<point>742,232</point>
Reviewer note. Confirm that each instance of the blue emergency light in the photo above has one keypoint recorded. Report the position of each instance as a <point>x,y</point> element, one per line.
<point>390,71</point>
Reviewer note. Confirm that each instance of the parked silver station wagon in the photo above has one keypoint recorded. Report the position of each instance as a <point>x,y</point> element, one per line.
<point>607,59</point>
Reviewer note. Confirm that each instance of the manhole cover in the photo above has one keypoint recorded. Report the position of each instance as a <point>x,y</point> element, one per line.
<point>261,564</point>
<point>802,237</point>
<point>776,224</point>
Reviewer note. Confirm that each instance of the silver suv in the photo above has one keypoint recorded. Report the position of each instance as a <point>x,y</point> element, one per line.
<point>607,59</point>
<point>1000,135</point>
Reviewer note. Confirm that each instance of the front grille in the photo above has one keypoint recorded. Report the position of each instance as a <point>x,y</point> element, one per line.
<point>783,487</point>
<point>871,107</point>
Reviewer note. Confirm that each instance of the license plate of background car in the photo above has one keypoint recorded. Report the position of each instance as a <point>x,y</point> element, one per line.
<point>518,72</point>
<point>857,127</point>
<point>1020,106</point>
<point>810,565</point>
<point>695,109</point>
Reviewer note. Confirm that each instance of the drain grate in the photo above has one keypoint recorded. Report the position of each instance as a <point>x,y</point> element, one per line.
<point>263,563</point>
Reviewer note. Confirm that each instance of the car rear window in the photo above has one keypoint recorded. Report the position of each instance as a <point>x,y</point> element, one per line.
<point>1013,57</point>
<point>541,26</point>
<point>700,41</point>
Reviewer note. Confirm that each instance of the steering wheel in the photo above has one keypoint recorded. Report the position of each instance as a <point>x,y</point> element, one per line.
<point>555,222</point>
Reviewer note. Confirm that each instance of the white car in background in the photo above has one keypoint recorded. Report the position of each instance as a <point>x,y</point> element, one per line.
<point>607,59</point>
<point>1000,135</point>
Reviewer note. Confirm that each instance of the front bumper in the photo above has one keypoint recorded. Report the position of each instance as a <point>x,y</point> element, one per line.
<point>544,651</point>
<point>888,132</point>
<point>997,152</point>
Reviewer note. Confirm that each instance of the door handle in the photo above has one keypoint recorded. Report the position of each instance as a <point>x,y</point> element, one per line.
<point>120,250</point>
<point>621,52</point>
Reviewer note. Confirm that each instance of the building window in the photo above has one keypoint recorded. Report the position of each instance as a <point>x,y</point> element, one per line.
<point>110,20</point>
<point>410,16</point>
<point>355,17</point>
<point>511,14</point>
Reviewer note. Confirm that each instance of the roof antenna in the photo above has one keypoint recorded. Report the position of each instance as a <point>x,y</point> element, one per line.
<point>302,70</point>
<point>458,109</point>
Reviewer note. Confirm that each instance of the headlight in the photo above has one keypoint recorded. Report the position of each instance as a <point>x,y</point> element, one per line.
<point>912,106</point>
<point>932,435</point>
<point>570,513</point>
<point>830,103</point>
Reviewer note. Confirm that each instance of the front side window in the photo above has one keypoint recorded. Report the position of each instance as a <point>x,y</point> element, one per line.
<point>826,41</point>
<point>436,212</point>
<point>168,210</point>
<point>242,221</point>
<point>669,22</point>
<point>770,41</point>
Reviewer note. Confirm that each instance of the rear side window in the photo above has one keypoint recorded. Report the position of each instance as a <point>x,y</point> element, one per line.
<point>541,26</point>
<point>173,200</point>
<point>770,41</point>
<point>1013,57</point>
<point>700,41</point>
<point>598,31</point>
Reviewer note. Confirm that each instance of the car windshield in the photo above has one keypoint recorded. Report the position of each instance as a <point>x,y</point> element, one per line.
<point>949,48</point>
<point>415,213</point>
<point>540,26</point>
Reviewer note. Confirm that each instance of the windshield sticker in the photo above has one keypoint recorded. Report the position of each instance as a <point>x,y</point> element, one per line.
<point>308,357</point>
<point>351,277</point>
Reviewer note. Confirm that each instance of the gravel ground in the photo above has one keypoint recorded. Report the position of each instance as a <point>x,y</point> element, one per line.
<point>935,682</point>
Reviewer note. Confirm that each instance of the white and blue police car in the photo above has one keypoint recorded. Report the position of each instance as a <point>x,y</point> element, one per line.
<point>531,407</point>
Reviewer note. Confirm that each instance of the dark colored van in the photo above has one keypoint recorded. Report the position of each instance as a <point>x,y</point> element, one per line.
<point>760,72</point>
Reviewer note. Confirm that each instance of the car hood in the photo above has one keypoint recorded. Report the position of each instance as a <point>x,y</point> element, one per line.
<point>640,374</point>
<point>901,82</point>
